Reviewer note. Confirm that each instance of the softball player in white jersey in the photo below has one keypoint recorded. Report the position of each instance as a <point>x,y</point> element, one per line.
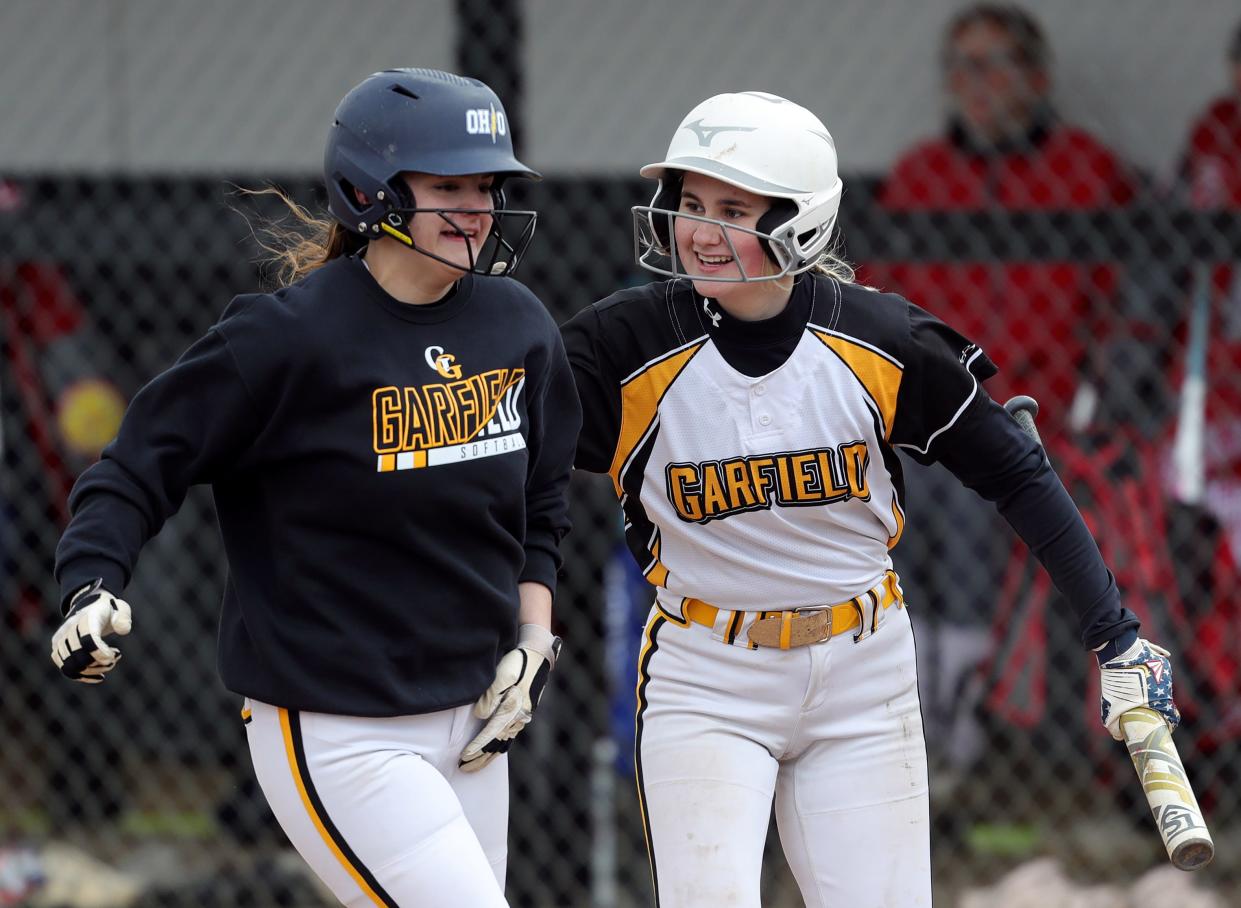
<point>748,411</point>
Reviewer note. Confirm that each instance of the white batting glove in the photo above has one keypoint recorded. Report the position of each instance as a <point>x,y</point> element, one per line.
<point>509,703</point>
<point>77,647</point>
<point>1140,676</point>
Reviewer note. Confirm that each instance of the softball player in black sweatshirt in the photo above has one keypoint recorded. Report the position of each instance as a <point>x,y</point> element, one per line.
<point>388,439</point>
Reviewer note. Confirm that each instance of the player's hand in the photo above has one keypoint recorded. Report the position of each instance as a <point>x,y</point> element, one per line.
<point>78,648</point>
<point>509,703</point>
<point>1140,676</point>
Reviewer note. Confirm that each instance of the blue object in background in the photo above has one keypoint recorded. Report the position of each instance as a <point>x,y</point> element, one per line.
<point>627,601</point>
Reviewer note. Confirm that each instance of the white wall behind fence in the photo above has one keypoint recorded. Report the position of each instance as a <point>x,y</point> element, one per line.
<point>195,85</point>
<point>249,85</point>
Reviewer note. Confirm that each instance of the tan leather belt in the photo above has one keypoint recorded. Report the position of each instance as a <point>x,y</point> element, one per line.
<point>786,629</point>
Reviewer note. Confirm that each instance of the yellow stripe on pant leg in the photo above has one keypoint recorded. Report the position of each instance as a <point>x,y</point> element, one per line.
<point>289,750</point>
<point>649,646</point>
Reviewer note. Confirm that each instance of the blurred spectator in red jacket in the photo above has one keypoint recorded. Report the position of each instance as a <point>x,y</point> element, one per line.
<point>1207,535</point>
<point>58,408</point>
<point>1211,166</point>
<point>1004,149</point>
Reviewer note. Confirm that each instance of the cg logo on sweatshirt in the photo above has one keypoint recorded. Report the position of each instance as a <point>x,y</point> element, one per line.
<point>443,363</point>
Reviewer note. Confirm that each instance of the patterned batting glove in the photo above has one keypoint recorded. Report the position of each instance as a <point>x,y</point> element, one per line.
<point>1140,676</point>
<point>77,647</point>
<point>509,703</point>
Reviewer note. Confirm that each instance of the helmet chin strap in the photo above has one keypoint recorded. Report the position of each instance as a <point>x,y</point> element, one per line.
<point>398,218</point>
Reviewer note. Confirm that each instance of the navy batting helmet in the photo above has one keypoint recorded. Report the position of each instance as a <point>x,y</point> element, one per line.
<point>425,121</point>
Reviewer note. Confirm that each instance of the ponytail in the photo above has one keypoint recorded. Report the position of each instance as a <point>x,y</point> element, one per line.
<point>834,265</point>
<point>294,252</point>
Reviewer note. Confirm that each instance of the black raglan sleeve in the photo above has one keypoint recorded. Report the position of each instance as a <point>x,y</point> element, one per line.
<point>597,388</point>
<point>555,418</point>
<point>945,415</point>
<point>942,375</point>
<point>183,428</point>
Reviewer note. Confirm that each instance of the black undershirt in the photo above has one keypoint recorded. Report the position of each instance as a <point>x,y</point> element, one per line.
<point>757,348</point>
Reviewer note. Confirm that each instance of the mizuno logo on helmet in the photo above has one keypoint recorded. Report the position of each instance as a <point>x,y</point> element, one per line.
<point>707,134</point>
<point>486,121</point>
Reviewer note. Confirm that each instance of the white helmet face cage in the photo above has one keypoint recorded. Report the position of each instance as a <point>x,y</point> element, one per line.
<point>765,145</point>
<point>654,254</point>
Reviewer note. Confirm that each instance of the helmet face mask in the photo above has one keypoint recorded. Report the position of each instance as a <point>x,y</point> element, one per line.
<point>655,249</point>
<point>511,232</point>
<point>765,145</point>
<point>423,121</point>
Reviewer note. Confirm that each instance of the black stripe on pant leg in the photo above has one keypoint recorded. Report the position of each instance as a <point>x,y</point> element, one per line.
<point>303,769</point>
<point>643,680</point>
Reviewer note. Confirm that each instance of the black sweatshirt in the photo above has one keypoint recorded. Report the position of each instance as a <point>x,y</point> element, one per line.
<point>384,474</point>
<point>936,410</point>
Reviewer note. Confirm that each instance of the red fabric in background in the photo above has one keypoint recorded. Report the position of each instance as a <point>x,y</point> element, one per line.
<point>1069,169</point>
<point>1034,319</point>
<point>1212,163</point>
<point>1219,631</point>
<point>38,307</point>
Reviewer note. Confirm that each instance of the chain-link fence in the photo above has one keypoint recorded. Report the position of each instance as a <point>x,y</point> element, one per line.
<point>1077,263</point>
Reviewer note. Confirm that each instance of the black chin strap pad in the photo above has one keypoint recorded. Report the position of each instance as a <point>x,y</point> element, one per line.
<point>781,211</point>
<point>668,197</point>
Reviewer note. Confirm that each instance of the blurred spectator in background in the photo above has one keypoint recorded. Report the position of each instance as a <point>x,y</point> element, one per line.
<point>1004,149</point>
<point>59,410</point>
<point>1206,529</point>
<point>1211,165</point>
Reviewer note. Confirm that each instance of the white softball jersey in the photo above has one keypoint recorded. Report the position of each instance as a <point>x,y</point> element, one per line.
<point>756,466</point>
<point>755,461</point>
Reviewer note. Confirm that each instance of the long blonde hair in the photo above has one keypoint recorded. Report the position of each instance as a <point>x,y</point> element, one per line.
<point>296,251</point>
<point>834,264</point>
<point>836,267</point>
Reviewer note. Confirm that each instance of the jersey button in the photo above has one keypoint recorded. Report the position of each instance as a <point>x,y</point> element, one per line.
<point>760,390</point>
<point>764,420</point>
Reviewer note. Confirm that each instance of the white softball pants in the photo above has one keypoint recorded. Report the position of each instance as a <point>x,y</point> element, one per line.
<point>378,808</point>
<point>832,732</point>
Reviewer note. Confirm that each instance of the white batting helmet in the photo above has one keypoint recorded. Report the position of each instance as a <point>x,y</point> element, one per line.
<point>762,143</point>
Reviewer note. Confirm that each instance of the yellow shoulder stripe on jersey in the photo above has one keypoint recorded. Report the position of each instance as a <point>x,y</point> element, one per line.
<point>879,375</point>
<point>900,523</point>
<point>655,572</point>
<point>640,397</point>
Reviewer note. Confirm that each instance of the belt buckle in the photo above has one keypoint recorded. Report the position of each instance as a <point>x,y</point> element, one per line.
<point>811,610</point>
